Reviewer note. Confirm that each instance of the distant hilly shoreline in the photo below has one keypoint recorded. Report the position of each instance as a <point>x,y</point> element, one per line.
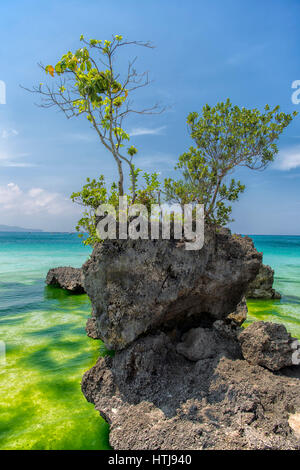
<point>11,228</point>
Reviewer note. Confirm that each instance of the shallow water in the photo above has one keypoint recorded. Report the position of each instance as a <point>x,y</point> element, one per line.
<point>282,253</point>
<point>47,350</point>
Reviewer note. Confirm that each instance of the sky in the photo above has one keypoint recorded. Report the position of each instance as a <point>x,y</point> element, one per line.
<point>205,52</point>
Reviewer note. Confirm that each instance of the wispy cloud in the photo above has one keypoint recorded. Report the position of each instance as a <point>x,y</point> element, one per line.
<point>288,159</point>
<point>6,133</point>
<point>164,161</point>
<point>247,53</point>
<point>146,131</point>
<point>8,160</point>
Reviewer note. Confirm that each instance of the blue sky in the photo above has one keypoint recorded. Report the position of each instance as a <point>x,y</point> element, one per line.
<point>205,52</point>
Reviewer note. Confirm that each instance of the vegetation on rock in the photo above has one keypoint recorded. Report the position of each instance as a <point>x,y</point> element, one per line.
<point>226,137</point>
<point>88,83</point>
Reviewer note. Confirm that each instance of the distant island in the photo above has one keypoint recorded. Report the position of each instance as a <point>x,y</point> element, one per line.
<point>11,228</point>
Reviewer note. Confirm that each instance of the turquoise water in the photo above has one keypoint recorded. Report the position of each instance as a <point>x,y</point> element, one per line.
<point>282,253</point>
<point>47,350</point>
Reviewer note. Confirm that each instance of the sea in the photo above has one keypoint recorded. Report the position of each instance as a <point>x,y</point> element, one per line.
<point>44,350</point>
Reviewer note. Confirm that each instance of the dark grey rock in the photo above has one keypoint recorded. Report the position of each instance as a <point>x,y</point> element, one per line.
<point>205,343</point>
<point>67,278</point>
<point>262,286</point>
<point>138,286</point>
<point>267,344</point>
<point>155,398</point>
<point>178,379</point>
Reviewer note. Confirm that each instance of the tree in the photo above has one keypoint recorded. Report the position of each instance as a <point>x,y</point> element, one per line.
<point>95,192</point>
<point>89,84</point>
<point>226,137</point>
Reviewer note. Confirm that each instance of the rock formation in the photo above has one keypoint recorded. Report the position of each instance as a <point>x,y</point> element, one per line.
<point>178,379</point>
<point>206,343</point>
<point>91,328</point>
<point>153,397</point>
<point>262,286</point>
<point>67,278</point>
<point>268,345</point>
<point>138,286</point>
<point>240,314</point>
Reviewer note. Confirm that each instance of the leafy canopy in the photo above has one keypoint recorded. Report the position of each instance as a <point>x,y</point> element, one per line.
<point>95,192</point>
<point>225,137</point>
<point>89,84</point>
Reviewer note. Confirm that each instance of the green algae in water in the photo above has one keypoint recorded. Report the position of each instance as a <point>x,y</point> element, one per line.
<point>41,403</point>
<point>282,253</point>
<point>47,352</point>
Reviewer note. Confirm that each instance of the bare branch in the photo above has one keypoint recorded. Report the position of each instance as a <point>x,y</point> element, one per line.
<point>82,88</point>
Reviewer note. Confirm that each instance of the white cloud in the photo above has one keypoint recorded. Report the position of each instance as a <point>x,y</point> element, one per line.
<point>6,133</point>
<point>160,160</point>
<point>146,131</point>
<point>35,201</point>
<point>8,160</point>
<point>288,159</point>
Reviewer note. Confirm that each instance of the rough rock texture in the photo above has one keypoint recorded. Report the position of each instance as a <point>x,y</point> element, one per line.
<point>205,343</point>
<point>138,286</point>
<point>155,398</point>
<point>240,314</point>
<point>262,286</point>
<point>178,379</point>
<point>91,328</point>
<point>294,422</point>
<point>267,344</point>
<point>67,278</point>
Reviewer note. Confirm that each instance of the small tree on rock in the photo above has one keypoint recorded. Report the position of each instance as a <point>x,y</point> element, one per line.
<point>89,84</point>
<point>226,137</point>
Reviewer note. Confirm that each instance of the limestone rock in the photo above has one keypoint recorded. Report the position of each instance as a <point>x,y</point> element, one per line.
<point>137,286</point>
<point>67,278</point>
<point>91,328</point>
<point>294,422</point>
<point>267,344</point>
<point>240,314</point>
<point>262,286</point>
<point>205,343</point>
<point>155,398</point>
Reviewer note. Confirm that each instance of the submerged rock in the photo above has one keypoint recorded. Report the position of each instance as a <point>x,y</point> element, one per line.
<point>268,344</point>
<point>262,286</point>
<point>67,278</point>
<point>138,286</point>
<point>155,398</point>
